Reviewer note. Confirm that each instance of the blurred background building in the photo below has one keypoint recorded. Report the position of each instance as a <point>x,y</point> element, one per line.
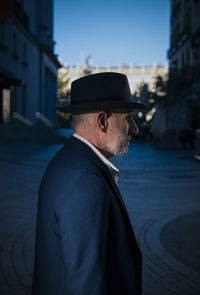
<point>181,107</point>
<point>177,109</point>
<point>184,49</point>
<point>28,65</point>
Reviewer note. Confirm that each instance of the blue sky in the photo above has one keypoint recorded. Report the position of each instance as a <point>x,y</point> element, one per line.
<point>114,32</point>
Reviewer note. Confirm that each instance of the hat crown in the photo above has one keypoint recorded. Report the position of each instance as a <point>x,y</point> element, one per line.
<point>106,86</point>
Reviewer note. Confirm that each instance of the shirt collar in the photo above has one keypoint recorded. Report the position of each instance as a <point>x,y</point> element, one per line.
<point>113,170</point>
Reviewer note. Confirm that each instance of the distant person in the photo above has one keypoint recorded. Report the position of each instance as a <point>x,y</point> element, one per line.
<point>85,244</point>
<point>186,137</point>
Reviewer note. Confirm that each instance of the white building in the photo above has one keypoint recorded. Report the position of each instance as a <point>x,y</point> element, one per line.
<point>28,66</point>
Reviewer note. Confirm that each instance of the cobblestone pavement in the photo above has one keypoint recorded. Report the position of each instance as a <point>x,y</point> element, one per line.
<point>159,188</point>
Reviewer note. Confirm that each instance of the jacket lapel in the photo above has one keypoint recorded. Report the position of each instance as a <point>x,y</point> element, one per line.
<point>119,197</point>
<point>115,188</point>
<point>78,144</point>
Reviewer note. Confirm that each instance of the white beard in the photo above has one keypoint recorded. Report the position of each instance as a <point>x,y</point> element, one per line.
<point>116,143</point>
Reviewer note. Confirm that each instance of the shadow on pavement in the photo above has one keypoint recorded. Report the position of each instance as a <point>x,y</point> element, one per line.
<point>181,238</point>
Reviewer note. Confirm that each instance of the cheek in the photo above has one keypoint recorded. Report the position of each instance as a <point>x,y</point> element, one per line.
<point>126,127</point>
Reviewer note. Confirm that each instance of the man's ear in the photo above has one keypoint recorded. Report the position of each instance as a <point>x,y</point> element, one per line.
<point>102,121</point>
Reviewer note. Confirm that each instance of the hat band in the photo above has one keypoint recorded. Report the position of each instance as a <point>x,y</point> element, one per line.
<point>100,99</point>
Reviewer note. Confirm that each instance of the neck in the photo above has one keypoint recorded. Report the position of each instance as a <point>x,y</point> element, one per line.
<point>105,154</point>
<point>95,142</point>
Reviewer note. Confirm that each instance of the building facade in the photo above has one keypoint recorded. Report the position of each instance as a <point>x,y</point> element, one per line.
<point>184,65</point>
<point>184,48</point>
<point>28,65</point>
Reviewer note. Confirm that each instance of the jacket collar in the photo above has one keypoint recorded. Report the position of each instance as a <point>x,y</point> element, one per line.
<point>113,170</point>
<point>89,153</point>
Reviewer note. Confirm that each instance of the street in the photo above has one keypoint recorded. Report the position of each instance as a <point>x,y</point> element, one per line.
<point>161,189</point>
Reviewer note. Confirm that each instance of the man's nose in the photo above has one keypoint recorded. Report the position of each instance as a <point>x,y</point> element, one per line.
<point>133,129</point>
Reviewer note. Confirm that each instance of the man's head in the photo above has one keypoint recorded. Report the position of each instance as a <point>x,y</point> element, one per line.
<point>91,98</point>
<point>110,132</point>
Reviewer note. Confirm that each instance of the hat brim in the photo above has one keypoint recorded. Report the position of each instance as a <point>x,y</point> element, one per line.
<point>89,107</point>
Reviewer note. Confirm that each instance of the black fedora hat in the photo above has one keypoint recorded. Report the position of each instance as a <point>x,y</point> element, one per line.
<point>102,91</point>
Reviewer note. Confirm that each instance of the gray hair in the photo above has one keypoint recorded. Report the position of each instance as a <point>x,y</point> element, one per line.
<point>78,119</point>
<point>85,120</point>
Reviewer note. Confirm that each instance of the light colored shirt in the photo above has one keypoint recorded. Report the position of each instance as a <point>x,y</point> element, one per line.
<point>113,170</point>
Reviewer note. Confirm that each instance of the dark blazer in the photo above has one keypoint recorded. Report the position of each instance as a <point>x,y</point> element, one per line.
<point>85,244</point>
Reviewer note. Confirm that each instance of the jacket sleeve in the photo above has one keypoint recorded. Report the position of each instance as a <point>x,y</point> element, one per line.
<point>83,229</point>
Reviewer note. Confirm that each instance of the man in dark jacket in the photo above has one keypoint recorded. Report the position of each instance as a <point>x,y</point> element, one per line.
<point>85,244</point>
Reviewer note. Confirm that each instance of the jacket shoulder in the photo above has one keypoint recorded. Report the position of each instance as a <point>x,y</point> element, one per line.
<point>70,170</point>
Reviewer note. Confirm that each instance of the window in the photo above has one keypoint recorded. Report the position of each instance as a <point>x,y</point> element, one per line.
<point>25,63</point>
<point>2,36</point>
<point>22,3</point>
<point>2,33</point>
<point>182,60</point>
<point>15,55</point>
<point>24,97</point>
<point>188,56</point>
